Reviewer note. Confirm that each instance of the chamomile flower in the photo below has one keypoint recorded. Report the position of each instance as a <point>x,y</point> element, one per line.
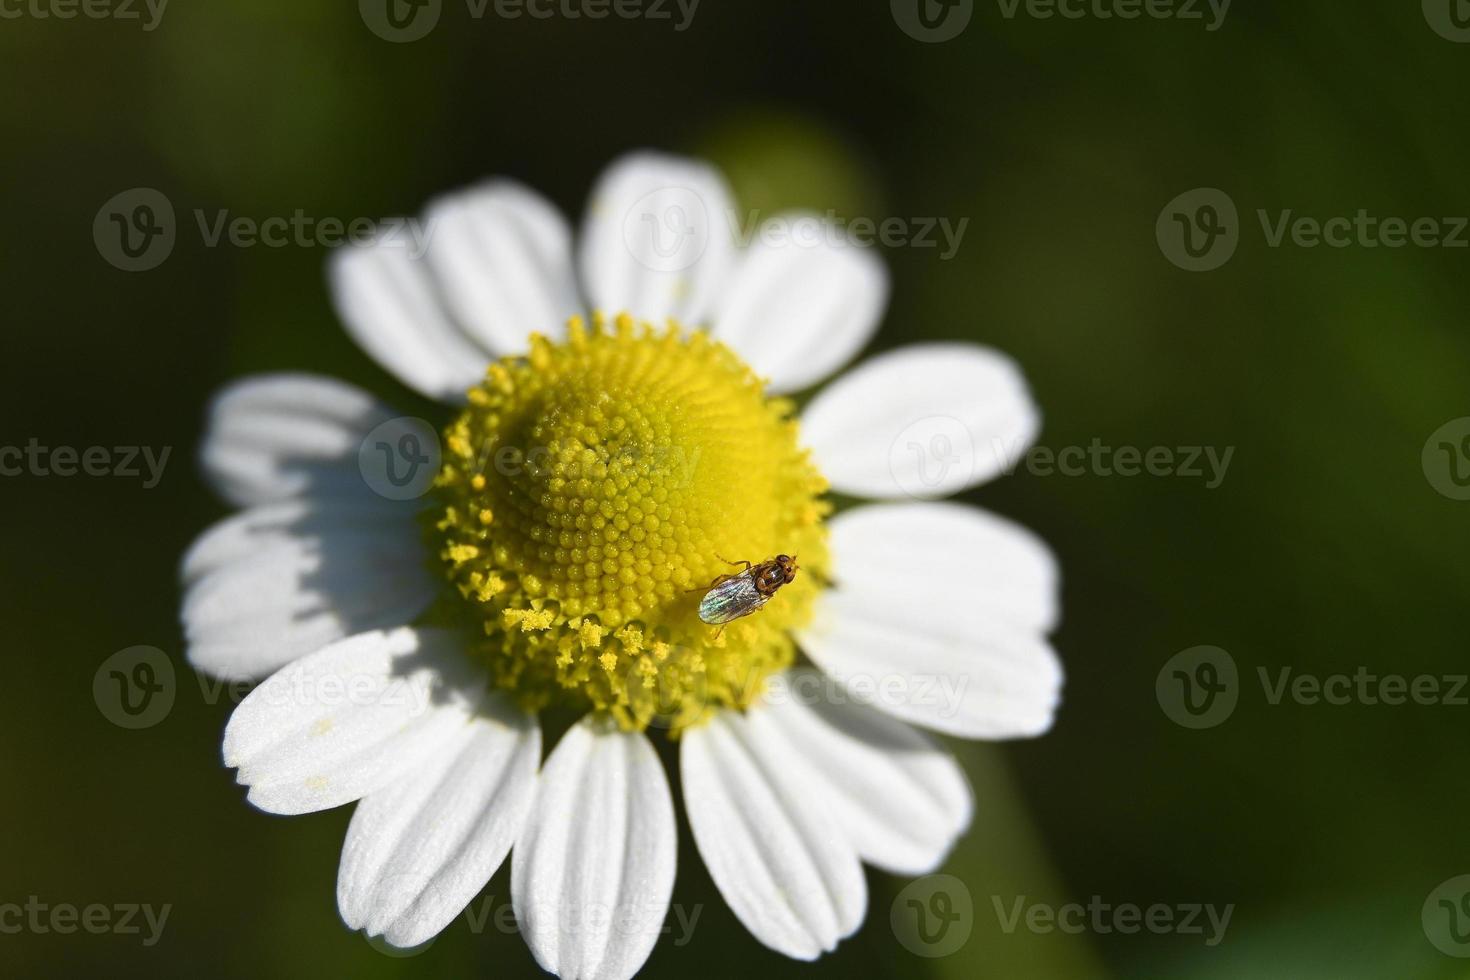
<point>592,473</point>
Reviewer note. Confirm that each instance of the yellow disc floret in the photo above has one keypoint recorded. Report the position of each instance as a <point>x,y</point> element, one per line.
<point>592,491</point>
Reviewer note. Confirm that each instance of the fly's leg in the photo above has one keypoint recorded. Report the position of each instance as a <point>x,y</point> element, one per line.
<point>722,578</point>
<point>713,582</point>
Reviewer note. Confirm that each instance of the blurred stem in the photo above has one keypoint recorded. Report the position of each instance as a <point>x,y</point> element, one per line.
<point>1001,860</point>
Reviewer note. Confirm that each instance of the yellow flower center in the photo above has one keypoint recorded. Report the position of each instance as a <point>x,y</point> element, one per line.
<point>592,491</point>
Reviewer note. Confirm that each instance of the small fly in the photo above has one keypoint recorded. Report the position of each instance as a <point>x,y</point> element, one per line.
<point>732,596</point>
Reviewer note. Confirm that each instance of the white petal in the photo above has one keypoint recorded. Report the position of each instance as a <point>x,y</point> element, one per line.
<point>990,682</point>
<point>283,580</point>
<point>802,302</point>
<point>594,869</point>
<point>922,421</point>
<point>277,436</point>
<point>900,799</point>
<point>783,866</point>
<point>503,254</point>
<point>936,616</point>
<point>351,718</point>
<point>388,302</point>
<point>657,239</point>
<point>947,562</point>
<point>419,850</point>
<point>250,531</point>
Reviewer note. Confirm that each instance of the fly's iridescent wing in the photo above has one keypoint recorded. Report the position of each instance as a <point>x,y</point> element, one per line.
<point>731,599</point>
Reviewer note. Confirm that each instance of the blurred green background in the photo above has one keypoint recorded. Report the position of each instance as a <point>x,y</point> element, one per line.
<point>1325,548</point>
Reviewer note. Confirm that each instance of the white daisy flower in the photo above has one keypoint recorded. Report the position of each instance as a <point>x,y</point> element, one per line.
<point>591,479</point>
